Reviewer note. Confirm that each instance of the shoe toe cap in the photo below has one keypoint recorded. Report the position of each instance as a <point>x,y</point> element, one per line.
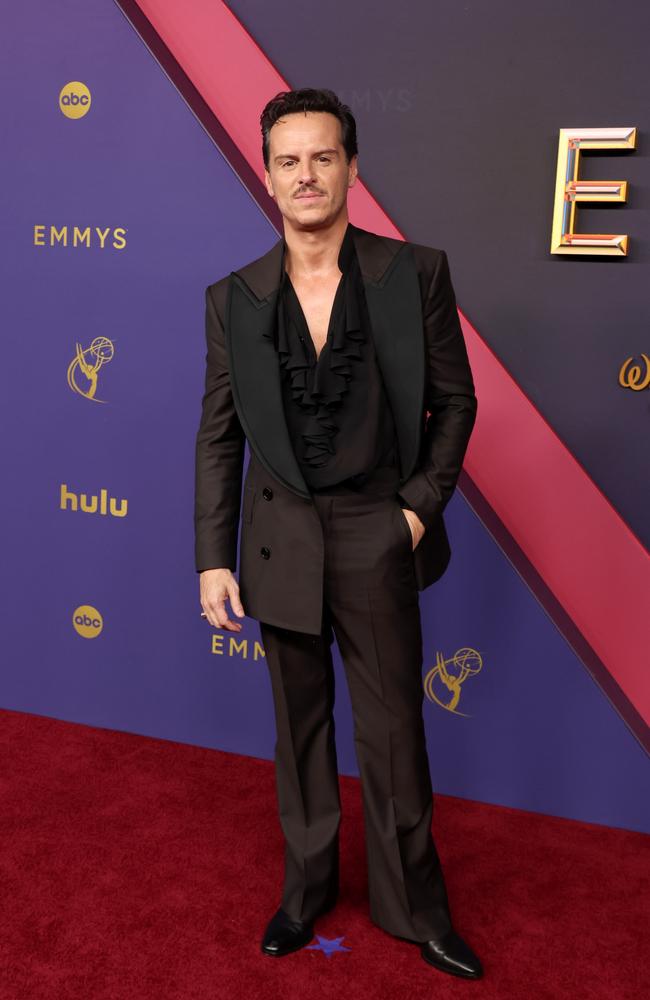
<point>453,955</point>
<point>284,935</point>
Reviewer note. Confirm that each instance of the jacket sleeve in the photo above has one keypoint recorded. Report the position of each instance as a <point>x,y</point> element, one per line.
<point>219,456</point>
<point>449,399</point>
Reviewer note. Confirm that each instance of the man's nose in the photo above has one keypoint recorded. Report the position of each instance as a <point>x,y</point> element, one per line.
<point>306,173</point>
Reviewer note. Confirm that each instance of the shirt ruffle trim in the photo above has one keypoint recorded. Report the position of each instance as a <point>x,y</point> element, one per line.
<point>320,389</point>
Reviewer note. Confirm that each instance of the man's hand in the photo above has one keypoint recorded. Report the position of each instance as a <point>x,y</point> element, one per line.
<point>216,585</point>
<point>415,524</point>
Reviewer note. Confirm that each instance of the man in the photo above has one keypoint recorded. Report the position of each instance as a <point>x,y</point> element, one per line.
<point>328,354</point>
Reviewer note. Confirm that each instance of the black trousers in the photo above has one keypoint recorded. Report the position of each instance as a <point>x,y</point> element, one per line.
<point>371,606</point>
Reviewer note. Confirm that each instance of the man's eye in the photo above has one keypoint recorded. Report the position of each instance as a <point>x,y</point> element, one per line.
<point>326,158</point>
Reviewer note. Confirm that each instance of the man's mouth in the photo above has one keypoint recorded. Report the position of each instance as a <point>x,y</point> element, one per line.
<point>310,194</point>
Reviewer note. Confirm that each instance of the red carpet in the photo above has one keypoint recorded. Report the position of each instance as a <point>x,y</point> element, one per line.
<point>136,868</point>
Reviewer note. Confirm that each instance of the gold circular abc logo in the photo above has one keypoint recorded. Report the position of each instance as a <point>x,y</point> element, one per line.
<point>87,621</point>
<point>74,99</point>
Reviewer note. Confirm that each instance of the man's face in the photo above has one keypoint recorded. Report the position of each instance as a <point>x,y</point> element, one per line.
<point>308,173</point>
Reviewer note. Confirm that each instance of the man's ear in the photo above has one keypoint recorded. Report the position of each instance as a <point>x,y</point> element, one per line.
<point>269,183</point>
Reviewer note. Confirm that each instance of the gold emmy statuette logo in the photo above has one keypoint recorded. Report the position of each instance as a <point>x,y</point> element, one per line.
<point>630,377</point>
<point>570,189</point>
<point>87,621</point>
<point>451,674</point>
<point>74,100</point>
<point>84,367</point>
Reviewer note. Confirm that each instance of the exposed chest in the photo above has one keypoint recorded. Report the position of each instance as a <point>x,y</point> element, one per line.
<point>316,302</point>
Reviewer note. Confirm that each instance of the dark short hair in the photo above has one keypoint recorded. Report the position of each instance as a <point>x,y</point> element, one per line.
<point>288,102</point>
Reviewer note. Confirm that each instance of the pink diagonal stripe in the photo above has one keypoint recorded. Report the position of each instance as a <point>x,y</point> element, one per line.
<point>575,539</point>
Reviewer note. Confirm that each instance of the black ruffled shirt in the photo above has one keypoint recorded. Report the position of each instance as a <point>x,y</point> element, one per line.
<point>336,407</point>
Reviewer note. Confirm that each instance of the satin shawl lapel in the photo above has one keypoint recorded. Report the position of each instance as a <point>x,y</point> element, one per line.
<point>393,296</point>
<point>392,288</point>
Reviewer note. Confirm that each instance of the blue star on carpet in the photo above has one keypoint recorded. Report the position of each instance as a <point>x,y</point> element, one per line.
<point>328,945</point>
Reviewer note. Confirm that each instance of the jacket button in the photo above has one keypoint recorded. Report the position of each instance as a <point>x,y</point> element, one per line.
<point>267,493</point>
<point>265,552</point>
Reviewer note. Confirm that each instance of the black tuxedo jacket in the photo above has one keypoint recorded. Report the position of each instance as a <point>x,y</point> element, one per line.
<point>423,360</point>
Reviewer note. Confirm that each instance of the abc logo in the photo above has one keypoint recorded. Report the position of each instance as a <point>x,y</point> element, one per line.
<point>74,100</point>
<point>87,621</point>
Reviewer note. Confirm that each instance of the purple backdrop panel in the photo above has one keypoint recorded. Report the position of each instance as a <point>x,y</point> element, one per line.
<point>529,729</point>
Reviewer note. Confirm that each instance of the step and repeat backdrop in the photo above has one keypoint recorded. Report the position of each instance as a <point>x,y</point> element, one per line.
<point>118,209</point>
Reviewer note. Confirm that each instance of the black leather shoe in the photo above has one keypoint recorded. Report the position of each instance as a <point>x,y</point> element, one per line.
<point>452,954</point>
<point>284,935</point>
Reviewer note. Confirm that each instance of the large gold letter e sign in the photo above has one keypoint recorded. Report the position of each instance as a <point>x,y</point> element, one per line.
<point>570,189</point>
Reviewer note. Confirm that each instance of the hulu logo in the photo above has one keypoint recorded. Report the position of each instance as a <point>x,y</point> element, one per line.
<point>102,504</point>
